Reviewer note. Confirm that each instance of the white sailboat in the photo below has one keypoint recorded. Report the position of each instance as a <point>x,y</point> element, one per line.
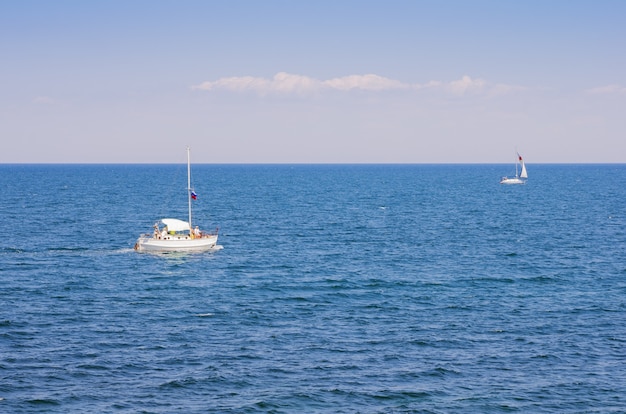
<point>519,178</point>
<point>178,235</point>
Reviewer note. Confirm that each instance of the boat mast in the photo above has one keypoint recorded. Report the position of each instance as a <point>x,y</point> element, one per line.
<point>189,187</point>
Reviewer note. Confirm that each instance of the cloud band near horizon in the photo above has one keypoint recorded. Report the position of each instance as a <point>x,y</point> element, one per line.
<point>286,83</point>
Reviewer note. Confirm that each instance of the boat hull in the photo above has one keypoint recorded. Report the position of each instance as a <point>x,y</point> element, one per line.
<point>513,180</point>
<point>176,243</point>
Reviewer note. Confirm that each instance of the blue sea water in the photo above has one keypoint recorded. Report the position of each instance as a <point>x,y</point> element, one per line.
<point>339,288</point>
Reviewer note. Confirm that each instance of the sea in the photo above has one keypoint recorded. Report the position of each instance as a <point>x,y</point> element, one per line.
<point>335,289</point>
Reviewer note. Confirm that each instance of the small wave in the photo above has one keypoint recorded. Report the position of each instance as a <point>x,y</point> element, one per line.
<point>545,356</point>
<point>12,250</point>
<point>178,254</point>
<point>123,251</point>
<point>44,401</point>
<point>266,406</point>
<point>441,372</point>
<point>180,383</point>
<point>395,395</point>
<point>93,367</point>
<point>67,249</point>
<point>204,315</point>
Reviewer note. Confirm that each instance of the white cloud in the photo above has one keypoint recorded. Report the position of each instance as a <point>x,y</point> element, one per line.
<point>281,83</point>
<point>239,84</point>
<point>365,82</point>
<point>431,84</point>
<point>608,89</point>
<point>465,85</point>
<point>286,83</point>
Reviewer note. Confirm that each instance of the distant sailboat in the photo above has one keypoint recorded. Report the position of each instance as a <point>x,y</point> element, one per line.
<point>518,178</point>
<point>177,235</point>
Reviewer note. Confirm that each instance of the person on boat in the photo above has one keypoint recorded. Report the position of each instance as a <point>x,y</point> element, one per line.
<point>196,232</point>
<point>156,231</point>
<point>164,232</point>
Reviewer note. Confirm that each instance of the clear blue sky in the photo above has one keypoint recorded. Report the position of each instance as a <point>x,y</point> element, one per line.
<point>319,81</point>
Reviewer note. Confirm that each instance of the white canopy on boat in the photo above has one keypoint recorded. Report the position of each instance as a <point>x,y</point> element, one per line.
<point>175,224</point>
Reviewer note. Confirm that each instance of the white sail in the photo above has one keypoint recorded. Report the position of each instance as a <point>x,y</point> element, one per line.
<point>524,174</point>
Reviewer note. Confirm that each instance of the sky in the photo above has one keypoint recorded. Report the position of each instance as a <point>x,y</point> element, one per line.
<point>341,81</point>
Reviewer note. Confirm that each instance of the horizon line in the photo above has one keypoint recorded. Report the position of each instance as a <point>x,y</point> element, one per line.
<point>310,163</point>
